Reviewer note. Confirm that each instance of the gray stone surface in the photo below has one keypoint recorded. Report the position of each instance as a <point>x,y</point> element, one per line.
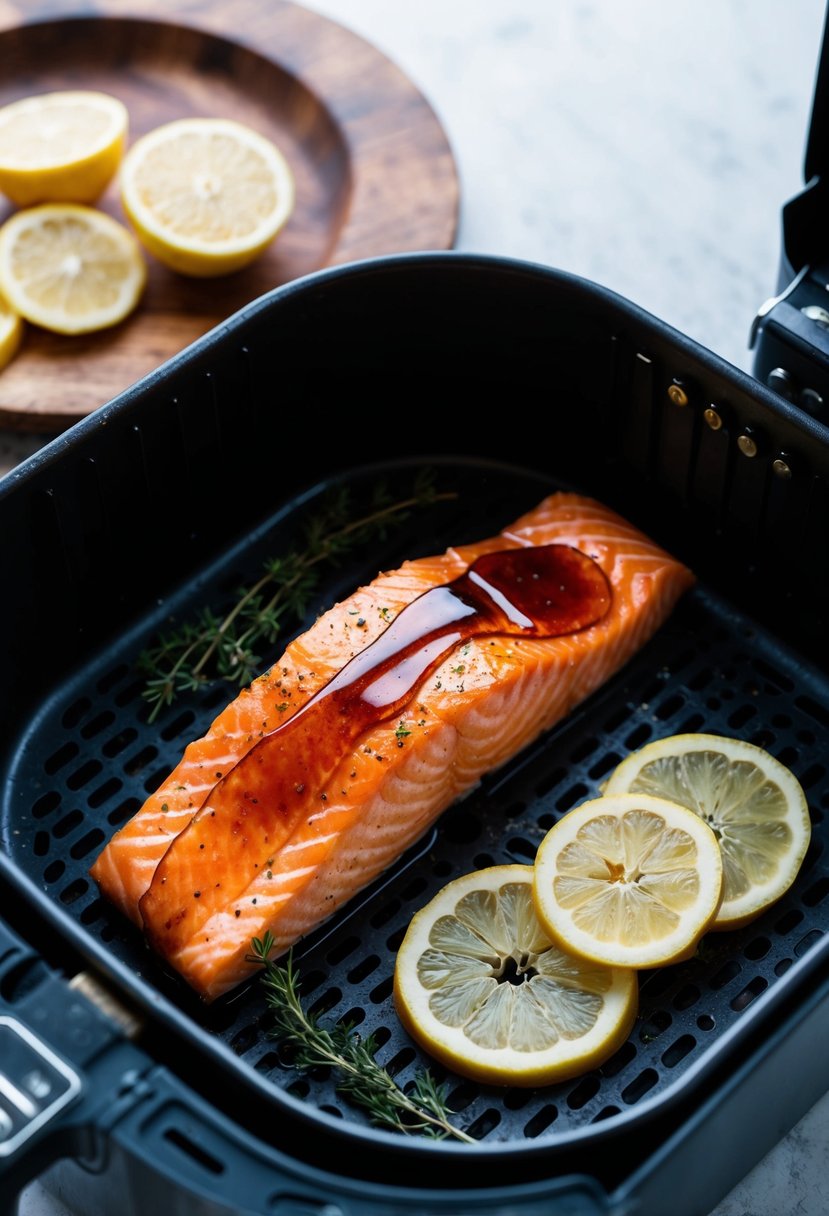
<point>646,145</point>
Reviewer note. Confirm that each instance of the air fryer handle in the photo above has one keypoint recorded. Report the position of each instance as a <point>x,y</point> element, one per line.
<point>66,1070</point>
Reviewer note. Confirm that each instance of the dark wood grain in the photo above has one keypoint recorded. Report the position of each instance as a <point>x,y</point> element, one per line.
<point>373,167</point>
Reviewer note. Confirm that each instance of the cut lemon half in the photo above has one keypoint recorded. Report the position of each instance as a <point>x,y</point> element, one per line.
<point>69,268</point>
<point>11,332</point>
<point>628,880</point>
<point>754,804</point>
<point>60,147</point>
<point>206,195</point>
<point>479,985</point>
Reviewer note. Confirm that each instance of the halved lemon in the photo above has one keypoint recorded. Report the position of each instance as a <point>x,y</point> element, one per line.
<point>11,331</point>
<point>628,880</point>
<point>60,147</point>
<point>480,986</point>
<point>206,195</point>
<point>754,804</point>
<point>69,268</point>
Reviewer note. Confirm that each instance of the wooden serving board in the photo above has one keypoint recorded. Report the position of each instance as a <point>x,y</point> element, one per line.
<point>374,170</point>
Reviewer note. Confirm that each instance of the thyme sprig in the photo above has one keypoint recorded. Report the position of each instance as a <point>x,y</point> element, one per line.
<point>366,1083</point>
<point>214,647</point>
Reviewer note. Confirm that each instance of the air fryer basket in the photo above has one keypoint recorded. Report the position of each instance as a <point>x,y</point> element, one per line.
<point>173,495</point>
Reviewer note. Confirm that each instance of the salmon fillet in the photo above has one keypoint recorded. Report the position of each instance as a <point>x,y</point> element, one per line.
<point>483,704</point>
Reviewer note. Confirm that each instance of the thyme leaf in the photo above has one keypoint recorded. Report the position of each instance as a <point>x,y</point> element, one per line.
<point>360,1078</point>
<point>210,648</point>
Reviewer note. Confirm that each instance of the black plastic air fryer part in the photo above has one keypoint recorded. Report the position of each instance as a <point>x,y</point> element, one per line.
<point>167,497</point>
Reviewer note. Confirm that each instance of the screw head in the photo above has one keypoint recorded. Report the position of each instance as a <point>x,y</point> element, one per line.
<point>713,418</point>
<point>677,394</point>
<point>782,469</point>
<point>747,445</point>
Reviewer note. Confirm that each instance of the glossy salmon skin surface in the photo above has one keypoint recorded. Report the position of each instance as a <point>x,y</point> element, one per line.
<point>486,701</point>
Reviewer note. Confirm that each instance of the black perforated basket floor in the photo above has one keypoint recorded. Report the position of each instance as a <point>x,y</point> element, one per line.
<point>88,758</point>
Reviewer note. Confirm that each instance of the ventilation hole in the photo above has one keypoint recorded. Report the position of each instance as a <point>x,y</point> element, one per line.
<point>84,774</point>
<point>571,796</point>
<point>608,762</point>
<point>713,703</point>
<point>742,715</point>
<point>637,737</point>
<point>66,825</point>
<point>45,804</point>
<point>668,708</point>
<point>640,1086</point>
<point>484,1124</point>
<point>124,811</point>
<point>789,756</point>
<point>522,849</point>
<point>40,846</point>
<point>656,1025</point>
<point>382,992</point>
<point>326,1002</point>
<point>87,843</point>
<point>813,709</point>
<point>517,1099</point>
<point>607,1112</point>
<point>816,893</point>
<point>706,1022</point>
<point>481,861</point>
<point>342,950</point>
<point>92,911</point>
<point>619,1060</point>
<point>299,1089</point>
<point>702,677</point>
<point>352,1017</point>
<point>442,869</point>
<point>584,1091</point>
<point>462,827</point>
<point>130,693</point>
<point>394,941</point>
<point>331,1110</point>
<point>384,914</point>
<point>194,1151</point>
<point>743,999</point>
<point>75,712</point>
<point>550,781</point>
<point>62,756</point>
<point>687,996</point>
<point>658,982</point>
<point>616,719</point>
<point>140,760</point>
<point>21,978</point>
<point>415,888</point>
<point>462,1096</point>
<point>311,981</point>
<point>783,966</point>
<point>99,722</point>
<point>758,948</point>
<point>267,1063</point>
<point>74,891</point>
<point>584,749</point>
<point>178,725</point>
<point>678,1050</point>
<point>155,778</point>
<point>103,792</point>
<point>400,1061</point>
<point>363,969</point>
<point>117,743</point>
<point>54,871</point>
<point>805,944</point>
<point>725,975</point>
<point>812,775</point>
<point>540,1121</point>
<point>244,1040</point>
<point>690,725</point>
<point>790,920</point>
<point>112,678</point>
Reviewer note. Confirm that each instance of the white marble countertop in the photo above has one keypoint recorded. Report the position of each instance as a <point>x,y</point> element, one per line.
<point>648,146</point>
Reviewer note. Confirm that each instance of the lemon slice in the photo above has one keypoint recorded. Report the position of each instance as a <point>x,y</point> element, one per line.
<point>60,147</point>
<point>628,880</point>
<point>69,268</point>
<point>11,332</point>
<point>754,804</point>
<point>478,984</point>
<point>206,195</point>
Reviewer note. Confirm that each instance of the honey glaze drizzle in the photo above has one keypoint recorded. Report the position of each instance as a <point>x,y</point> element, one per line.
<point>543,591</point>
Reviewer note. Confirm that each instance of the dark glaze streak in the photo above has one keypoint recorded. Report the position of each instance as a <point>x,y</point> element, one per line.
<point>539,592</point>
